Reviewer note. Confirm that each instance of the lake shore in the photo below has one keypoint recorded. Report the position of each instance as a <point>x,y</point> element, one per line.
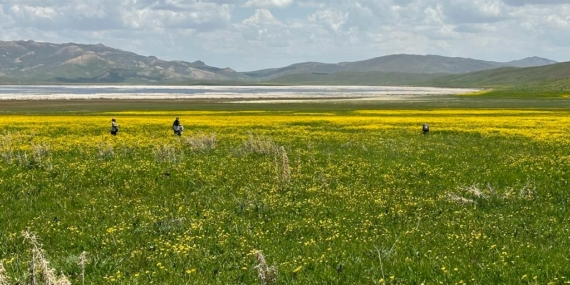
<point>245,93</point>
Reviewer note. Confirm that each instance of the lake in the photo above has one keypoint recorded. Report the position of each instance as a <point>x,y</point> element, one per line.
<point>218,92</point>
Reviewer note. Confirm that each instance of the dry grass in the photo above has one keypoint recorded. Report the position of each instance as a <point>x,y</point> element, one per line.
<point>265,146</point>
<point>526,192</point>
<point>22,159</point>
<point>40,151</point>
<point>82,262</point>
<point>168,154</point>
<point>201,143</point>
<point>6,147</point>
<point>474,193</point>
<point>458,199</point>
<point>105,151</point>
<point>4,279</point>
<point>266,274</point>
<point>40,270</point>
<point>7,156</point>
<point>259,145</point>
<point>282,165</point>
<point>10,143</point>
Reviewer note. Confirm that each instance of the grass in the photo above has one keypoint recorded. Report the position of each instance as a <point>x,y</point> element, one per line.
<point>531,92</point>
<point>493,99</point>
<point>313,194</point>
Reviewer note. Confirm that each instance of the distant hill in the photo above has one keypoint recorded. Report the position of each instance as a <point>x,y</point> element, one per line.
<point>29,61</point>
<point>547,77</point>
<point>401,63</point>
<point>531,82</point>
<point>406,63</point>
<point>530,62</point>
<point>370,78</point>
<point>506,77</point>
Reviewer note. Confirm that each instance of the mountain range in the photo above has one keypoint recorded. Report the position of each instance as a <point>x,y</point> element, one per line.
<point>31,62</point>
<point>400,63</point>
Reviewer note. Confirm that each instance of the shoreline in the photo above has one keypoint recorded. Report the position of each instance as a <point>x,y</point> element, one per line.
<point>249,93</point>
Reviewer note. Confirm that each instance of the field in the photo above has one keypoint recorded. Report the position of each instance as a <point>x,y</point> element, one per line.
<point>335,195</point>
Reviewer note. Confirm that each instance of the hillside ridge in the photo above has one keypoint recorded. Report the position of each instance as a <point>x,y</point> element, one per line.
<point>31,62</point>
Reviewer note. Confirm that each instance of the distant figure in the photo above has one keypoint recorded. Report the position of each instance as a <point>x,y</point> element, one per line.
<point>425,129</point>
<point>177,127</point>
<point>114,127</point>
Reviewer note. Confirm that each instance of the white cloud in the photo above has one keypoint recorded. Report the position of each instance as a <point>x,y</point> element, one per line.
<point>333,20</point>
<point>262,17</point>
<point>268,3</point>
<point>558,21</point>
<point>264,27</point>
<point>475,11</point>
<point>201,16</point>
<point>535,2</point>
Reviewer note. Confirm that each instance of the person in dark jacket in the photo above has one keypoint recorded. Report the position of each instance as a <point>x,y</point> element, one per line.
<point>114,127</point>
<point>425,129</point>
<point>177,127</point>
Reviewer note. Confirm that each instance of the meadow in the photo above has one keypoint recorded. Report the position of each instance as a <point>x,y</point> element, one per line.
<point>308,196</point>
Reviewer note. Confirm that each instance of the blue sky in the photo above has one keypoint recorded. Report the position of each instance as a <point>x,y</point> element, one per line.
<point>255,34</point>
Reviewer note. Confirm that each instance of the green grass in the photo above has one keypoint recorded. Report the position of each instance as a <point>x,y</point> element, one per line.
<point>494,99</point>
<point>360,205</point>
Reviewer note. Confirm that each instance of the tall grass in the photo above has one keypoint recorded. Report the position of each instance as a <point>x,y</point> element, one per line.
<point>4,279</point>
<point>266,274</point>
<point>282,166</point>
<point>258,145</point>
<point>201,143</point>
<point>168,154</point>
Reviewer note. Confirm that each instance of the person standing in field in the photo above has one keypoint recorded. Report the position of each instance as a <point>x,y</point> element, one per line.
<point>114,127</point>
<point>177,127</point>
<point>425,128</point>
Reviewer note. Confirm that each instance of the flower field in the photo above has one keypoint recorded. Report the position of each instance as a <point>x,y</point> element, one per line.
<point>335,197</point>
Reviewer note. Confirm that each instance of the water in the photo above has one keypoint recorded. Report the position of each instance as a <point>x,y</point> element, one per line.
<point>215,92</point>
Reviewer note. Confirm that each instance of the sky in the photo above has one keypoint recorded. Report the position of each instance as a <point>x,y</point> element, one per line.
<point>248,35</point>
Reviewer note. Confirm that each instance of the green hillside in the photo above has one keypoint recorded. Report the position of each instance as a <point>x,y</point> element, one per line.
<point>551,88</point>
<point>356,78</point>
<point>550,80</point>
<point>562,85</point>
<point>506,77</point>
<point>531,82</point>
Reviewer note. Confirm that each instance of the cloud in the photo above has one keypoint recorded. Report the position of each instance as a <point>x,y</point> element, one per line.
<point>204,16</point>
<point>333,20</point>
<point>263,26</point>
<point>476,11</point>
<point>268,3</point>
<point>121,14</point>
<point>534,2</point>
